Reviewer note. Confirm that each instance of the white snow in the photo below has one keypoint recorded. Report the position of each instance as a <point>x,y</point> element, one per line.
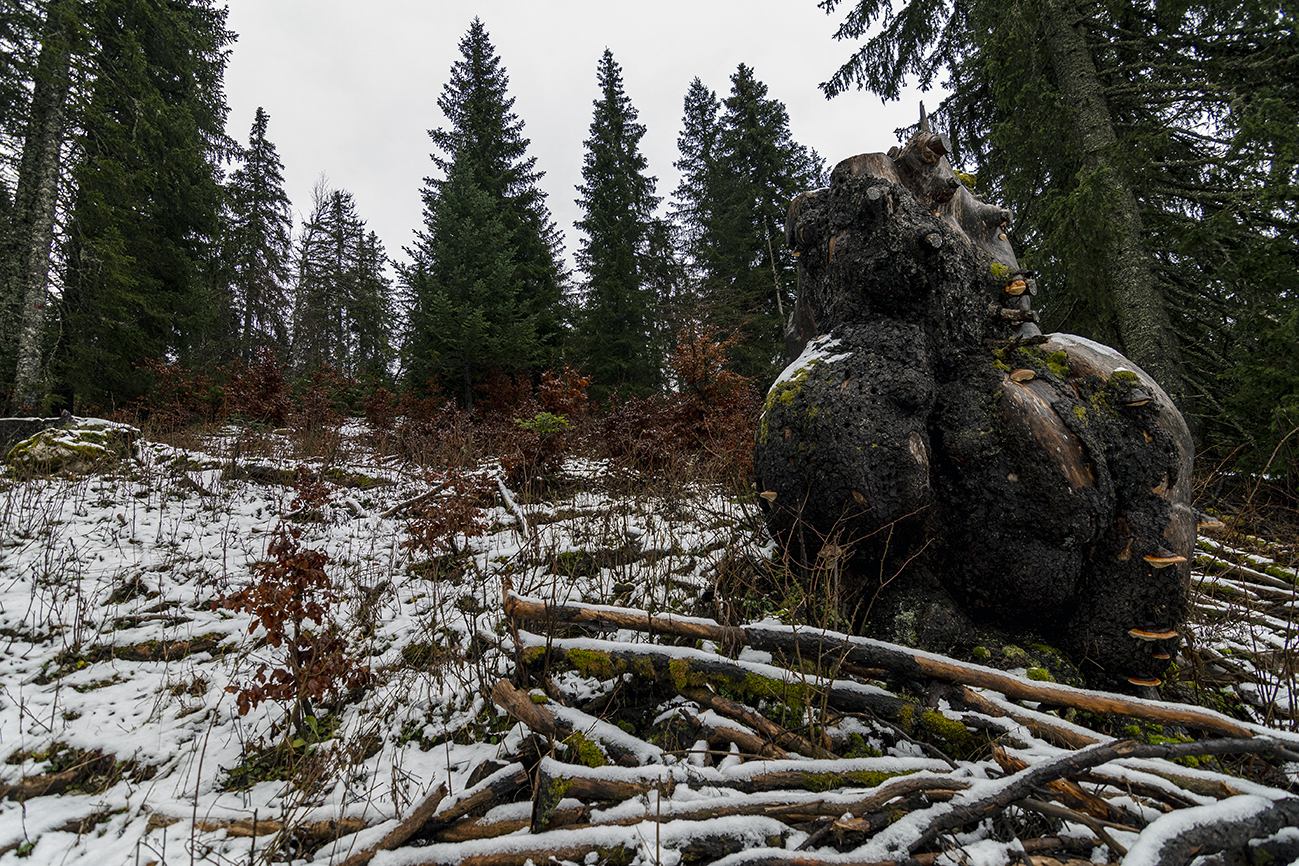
<point>99,572</point>
<point>817,351</point>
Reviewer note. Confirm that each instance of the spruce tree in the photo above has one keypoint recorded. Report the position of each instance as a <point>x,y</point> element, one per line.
<point>20,26</point>
<point>342,308</point>
<point>372,316</point>
<point>145,211</point>
<point>694,201</point>
<point>258,245</point>
<point>739,172</point>
<point>485,141</point>
<point>617,322</point>
<point>467,317</point>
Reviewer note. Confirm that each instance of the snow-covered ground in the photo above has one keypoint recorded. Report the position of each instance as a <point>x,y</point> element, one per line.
<point>119,663</point>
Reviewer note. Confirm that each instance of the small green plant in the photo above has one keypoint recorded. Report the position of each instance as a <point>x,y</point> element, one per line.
<point>544,423</point>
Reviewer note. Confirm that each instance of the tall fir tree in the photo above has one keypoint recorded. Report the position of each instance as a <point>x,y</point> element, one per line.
<point>467,313</point>
<point>342,307</point>
<point>695,200</point>
<point>145,211</point>
<point>616,328</point>
<point>485,139</point>
<point>740,168</point>
<point>258,245</point>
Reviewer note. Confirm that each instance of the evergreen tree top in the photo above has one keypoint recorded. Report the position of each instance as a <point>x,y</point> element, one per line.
<point>613,166</point>
<point>484,131</point>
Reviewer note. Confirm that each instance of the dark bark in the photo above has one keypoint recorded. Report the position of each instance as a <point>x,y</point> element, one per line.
<point>960,470</point>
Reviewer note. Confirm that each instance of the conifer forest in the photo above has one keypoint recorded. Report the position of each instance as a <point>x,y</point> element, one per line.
<point>318,546</point>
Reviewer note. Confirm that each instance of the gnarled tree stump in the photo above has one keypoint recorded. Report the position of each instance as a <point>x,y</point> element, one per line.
<point>969,469</point>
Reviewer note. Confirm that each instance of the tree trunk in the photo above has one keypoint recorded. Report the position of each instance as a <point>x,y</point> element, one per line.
<point>1143,323</point>
<point>36,196</point>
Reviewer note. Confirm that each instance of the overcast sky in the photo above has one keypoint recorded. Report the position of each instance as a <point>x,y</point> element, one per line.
<point>352,87</point>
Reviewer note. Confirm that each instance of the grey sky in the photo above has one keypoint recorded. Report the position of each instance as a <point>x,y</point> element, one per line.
<point>351,87</point>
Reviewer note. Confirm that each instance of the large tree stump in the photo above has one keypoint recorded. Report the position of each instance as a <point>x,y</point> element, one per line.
<point>971,471</point>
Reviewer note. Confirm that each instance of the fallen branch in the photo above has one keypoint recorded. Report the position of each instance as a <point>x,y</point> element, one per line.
<point>403,831</point>
<point>1167,800</point>
<point>1022,784</point>
<point>1054,810</point>
<point>684,667</point>
<point>414,500</point>
<point>760,804</point>
<point>748,742</point>
<point>513,506</point>
<point>781,737</point>
<point>812,644</point>
<point>1069,791</point>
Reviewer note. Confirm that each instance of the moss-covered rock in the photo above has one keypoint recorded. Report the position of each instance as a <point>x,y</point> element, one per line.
<point>84,445</point>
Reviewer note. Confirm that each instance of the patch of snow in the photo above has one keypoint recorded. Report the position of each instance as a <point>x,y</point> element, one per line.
<point>817,351</point>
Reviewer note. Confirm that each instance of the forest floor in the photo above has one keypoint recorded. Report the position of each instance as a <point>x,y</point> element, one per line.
<point>129,652</point>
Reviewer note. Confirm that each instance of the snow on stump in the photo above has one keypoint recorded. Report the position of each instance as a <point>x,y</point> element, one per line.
<point>82,446</point>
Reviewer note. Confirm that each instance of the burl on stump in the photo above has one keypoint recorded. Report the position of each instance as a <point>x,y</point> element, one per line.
<point>977,473</point>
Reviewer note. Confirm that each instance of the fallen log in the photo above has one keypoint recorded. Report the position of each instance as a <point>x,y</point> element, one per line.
<point>556,780</point>
<point>761,857</point>
<point>779,736</point>
<point>696,841</point>
<point>42,785</point>
<point>497,787</point>
<point>1181,837</point>
<point>49,784</point>
<point>1218,560</point>
<point>1022,784</point>
<point>767,803</point>
<point>811,644</point>
<point>399,835</point>
<point>318,830</point>
<point>1039,724</point>
<point>683,667</point>
<point>559,724</point>
<point>850,831</point>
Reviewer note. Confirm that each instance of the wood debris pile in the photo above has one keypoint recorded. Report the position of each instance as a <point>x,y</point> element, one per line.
<point>784,744</point>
